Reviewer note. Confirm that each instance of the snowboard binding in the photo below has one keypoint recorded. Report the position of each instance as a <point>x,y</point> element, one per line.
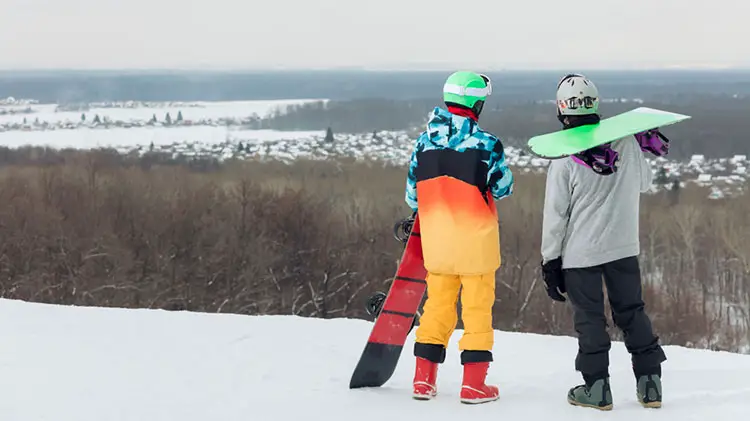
<point>653,141</point>
<point>375,304</point>
<point>402,229</point>
<point>601,159</point>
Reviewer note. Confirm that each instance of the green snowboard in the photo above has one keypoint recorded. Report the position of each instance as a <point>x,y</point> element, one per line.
<point>564,143</point>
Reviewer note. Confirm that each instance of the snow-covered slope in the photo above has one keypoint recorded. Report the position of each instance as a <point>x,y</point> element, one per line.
<point>64,363</point>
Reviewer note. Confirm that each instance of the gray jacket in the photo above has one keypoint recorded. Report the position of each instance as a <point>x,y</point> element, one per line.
<point>590,219</point>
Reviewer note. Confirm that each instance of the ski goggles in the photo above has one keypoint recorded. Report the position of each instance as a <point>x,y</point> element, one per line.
<point>449,88</point>
<point>574,103</point>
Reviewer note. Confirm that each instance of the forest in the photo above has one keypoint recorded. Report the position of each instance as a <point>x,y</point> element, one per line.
<point>719,126</point>
<point>315,239</point>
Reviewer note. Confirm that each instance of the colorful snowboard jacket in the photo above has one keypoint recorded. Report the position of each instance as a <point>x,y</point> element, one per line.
<point>455,172</point>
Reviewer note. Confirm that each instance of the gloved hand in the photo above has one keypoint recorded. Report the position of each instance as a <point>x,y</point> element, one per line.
<point>653,141</point>
<point>552,274</point>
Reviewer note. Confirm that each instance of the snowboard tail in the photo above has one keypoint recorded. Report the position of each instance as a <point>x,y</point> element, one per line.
<point>394,322</point>
<point>564,143</point>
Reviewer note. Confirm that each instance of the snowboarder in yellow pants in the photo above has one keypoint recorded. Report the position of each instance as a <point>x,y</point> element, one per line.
<point>457,171</point>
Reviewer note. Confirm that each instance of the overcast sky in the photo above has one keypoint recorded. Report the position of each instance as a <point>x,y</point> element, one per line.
<point>482,34</point>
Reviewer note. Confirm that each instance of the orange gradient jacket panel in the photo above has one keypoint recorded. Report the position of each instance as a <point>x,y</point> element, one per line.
<point>457,171</point>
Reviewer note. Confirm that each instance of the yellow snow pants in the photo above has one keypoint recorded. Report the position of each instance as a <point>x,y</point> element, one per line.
<point>440,315</point>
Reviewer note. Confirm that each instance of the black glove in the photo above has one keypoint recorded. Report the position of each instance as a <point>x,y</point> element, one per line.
<point>552,274</point>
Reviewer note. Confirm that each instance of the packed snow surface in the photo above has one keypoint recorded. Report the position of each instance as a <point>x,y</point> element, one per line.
<point>93,364</point>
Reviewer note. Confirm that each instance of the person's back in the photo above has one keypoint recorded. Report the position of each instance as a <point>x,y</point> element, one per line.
<point>603,222</point>
<point>456,172</point>
<point>590,233</point>
<point>457,169</point>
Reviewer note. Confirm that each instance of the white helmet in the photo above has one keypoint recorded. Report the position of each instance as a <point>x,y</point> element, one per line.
<point>576,95</point>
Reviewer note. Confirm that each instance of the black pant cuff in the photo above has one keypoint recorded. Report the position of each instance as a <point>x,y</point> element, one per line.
<point>592,378</point>
<point>476,357</point>
<point>430,352</point>
<point>649,362</point>
<point>646,371</point>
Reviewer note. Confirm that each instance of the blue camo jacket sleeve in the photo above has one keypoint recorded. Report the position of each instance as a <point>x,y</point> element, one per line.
<point>411,181</point>
<point>499,176</point>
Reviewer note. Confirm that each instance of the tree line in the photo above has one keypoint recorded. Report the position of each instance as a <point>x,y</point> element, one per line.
<point>314,239</point>
<point>718,128</point>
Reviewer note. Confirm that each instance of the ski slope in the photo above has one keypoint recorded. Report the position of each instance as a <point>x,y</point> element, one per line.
<point>94,364</point>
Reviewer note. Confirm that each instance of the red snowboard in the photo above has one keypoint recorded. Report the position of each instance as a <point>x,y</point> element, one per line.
<point>383,349</point>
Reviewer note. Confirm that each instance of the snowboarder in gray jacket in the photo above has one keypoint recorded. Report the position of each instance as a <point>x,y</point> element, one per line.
<point>590,232</point>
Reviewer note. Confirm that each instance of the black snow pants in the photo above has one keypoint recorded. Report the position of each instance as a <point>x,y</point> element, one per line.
<point>623,280</point>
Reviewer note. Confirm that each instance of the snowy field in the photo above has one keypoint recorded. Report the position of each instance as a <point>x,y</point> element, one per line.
<point>93,364</point>
<point>190,111</point>
<point>124,139</point>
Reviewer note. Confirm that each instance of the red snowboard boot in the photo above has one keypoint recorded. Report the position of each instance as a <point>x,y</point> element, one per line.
<point>473,389</point>
<point>425,378</point>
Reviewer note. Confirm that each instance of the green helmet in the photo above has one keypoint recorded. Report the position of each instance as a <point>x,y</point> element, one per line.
<point>466,88</point>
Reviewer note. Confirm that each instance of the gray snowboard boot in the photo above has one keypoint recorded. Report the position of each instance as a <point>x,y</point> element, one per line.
<point>598,396</point>
<point>649,391</point>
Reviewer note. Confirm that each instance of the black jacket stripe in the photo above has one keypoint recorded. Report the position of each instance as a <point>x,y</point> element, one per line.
<point>468,166</point>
